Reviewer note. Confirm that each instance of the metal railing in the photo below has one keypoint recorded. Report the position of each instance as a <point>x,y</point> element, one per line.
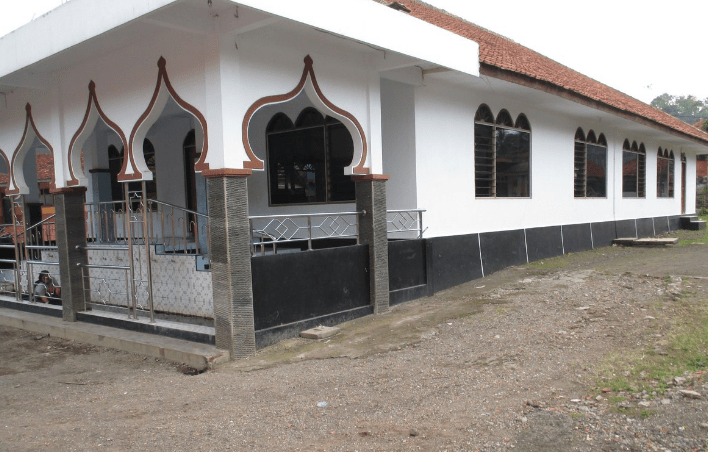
<point>40,239</point>
<point>175,228</point>
<point>12,275</point>
<point>103,289</point>
<point>270,230</point>
<point>140,227</point>
<point>405,222</point>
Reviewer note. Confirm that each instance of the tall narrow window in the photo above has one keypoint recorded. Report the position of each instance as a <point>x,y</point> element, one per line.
<point>306,161</point>
<point>633,170</point>
<point>665,174</point>
<point>502,155</point>
<point>484,152</point>
<point>580,164</point>
<point>590,165</point>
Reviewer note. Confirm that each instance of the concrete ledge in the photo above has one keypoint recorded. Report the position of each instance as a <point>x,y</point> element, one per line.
<point>631,241</point>
<point>197,356</point>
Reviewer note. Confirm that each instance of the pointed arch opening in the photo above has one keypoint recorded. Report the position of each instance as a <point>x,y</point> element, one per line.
<point>32,165</point>
<point>90,162</point>
<point>307,93</point>
<point>156,146</point>
<point>5,204</point>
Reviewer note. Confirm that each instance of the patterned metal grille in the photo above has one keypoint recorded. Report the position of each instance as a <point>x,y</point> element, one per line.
<point>269,230</point>
<point>405,223</point>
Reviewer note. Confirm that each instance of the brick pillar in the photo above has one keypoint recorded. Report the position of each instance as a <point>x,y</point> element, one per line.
<point>229,245</point>
<point>70,232</point>
<point>371,197</point>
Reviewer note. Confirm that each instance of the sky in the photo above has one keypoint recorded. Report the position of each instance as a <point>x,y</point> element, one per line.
<point>642,48</point>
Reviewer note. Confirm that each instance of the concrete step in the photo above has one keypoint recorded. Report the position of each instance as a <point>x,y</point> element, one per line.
<point>633,241</point>
<point>696,225</point>
<point>195,355</point>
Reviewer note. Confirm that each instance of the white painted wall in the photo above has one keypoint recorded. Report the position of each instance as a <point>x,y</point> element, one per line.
<point>399,146</point>
<point>444,135</point>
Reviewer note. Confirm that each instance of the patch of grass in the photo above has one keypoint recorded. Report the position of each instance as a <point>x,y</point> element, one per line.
<point>576,415</point>
<point>553,263</point>
<point>618,384</point>
<point>686,351</point>
<point>644,414</point>
<point>617,399</point>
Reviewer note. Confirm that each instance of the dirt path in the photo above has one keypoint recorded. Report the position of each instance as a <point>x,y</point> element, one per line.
<point>507,362</point>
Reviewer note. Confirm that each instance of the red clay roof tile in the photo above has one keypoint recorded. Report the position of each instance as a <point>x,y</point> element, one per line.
<point>502,53</point>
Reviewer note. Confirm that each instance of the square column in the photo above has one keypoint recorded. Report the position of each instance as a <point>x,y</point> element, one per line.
<point>70,233</point>
<point>230,250</point>
<point>371,197</point>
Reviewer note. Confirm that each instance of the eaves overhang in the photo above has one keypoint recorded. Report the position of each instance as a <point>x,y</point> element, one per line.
<point>64,36</point>
<point>379,26</point>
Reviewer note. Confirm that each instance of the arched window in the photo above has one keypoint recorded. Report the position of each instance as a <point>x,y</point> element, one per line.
<point>502,155</point>
<point>590,165</point>
<point>306,160</point>
<point>633,170</point>
<point>664,174</point>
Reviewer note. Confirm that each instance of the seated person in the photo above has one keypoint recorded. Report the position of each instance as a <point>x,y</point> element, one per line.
<point>46,290</point>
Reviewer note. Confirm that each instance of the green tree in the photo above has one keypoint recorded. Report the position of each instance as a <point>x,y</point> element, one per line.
<point>686,108</point>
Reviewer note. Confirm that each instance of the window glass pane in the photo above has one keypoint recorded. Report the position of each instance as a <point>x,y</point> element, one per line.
<point>297,167</point>
<point>671,178</point>
<point>597,171</point>
<point>483,160</point>
<point>512,163</point>
<point>580,174</point>
<point>641,174</point>
<point>629,174</point>
<point>341,152</point>
<point>662,177</point>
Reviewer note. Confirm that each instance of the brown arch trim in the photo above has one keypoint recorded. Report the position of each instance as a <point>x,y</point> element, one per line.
<point>162,76</point>
<point>227,172</point>
<point>254,162</point>
<point>29,121</point>
<point>7,163</point>
<point>370,177</point>
<point>93,100</point>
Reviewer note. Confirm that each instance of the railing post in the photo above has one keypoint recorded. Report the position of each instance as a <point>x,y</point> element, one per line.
<point>71,240</point>
<point>309,233</point>
<point>420,224</point>
<point>371,197</point>
<point>132,297</point>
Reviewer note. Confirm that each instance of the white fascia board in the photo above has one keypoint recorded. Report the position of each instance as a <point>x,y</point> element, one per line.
<point>377,25</point>
<point>68,25</point>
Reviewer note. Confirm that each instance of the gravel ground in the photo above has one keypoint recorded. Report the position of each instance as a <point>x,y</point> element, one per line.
<point>506,362</point>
